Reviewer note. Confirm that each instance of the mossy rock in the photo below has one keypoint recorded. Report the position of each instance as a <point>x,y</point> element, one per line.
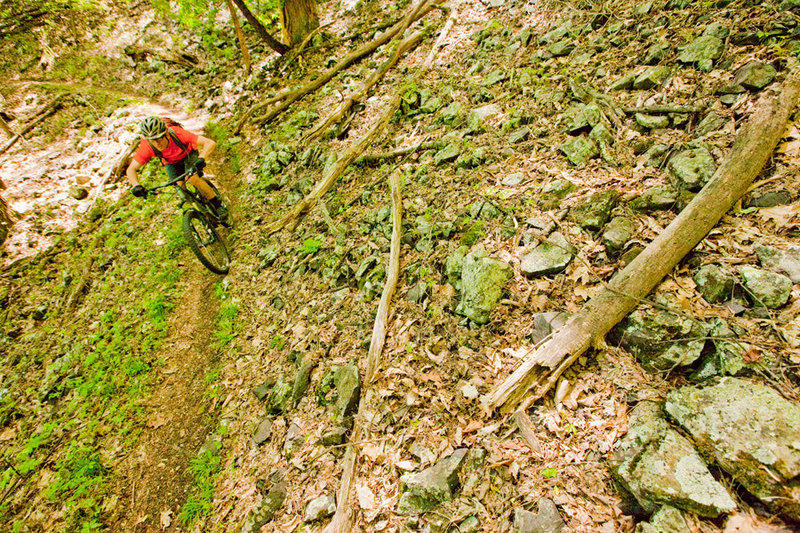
<point>593,212</point>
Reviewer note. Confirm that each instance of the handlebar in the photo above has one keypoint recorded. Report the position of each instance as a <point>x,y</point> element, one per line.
<point>174,181</point>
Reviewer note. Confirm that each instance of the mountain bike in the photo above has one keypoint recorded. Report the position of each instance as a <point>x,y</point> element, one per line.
<point>201,220</point>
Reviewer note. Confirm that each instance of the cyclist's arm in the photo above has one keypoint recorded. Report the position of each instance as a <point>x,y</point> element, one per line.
<point>205,146</point>
<point>132,172</point>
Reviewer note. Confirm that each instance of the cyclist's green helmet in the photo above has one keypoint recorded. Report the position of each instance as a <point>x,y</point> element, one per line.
<point>152,128</point>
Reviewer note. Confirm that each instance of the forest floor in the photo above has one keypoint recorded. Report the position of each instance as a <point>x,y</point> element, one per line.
<point>140,393</point>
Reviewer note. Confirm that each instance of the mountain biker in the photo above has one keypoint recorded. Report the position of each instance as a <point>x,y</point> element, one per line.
<point>176,147</point>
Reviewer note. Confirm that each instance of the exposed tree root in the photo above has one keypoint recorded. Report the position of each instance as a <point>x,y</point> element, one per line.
<point>752,148</point>
<point>288,96</point>
<point>240,36</point>
<point>377,159</point>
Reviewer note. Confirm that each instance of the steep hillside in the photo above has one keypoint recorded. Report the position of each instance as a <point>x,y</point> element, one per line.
<point>536,152</point>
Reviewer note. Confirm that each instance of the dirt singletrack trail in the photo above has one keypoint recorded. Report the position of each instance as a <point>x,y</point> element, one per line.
<point>153,480</point>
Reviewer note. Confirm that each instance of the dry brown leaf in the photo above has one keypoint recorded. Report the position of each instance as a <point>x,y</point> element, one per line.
<point>156,420</point>
<point>785,216</point>
<point>166,519</point>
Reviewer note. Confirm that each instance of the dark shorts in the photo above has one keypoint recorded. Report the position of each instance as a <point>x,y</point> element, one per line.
<point>176,169</point>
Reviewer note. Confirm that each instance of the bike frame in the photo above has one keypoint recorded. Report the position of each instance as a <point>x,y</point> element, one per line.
<point>194,199</point>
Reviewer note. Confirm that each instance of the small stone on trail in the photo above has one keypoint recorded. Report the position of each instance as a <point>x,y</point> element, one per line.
<point>667,519</point>
<point>657,198</point>
<point>593,212</point>
<point>711,122</point>
<point>651,77</point>
<point>79,193</point>
<point>703,51</point>
<point>470,391</point>
<point>652,122</point>
<point>482,281</point>
<point>769,199</point>
<point>618,232</point>
<point>266,510</point>
<point>579,150</point>
<point>625,82</point>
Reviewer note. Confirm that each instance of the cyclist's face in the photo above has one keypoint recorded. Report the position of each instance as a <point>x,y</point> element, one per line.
<point>161,143</point>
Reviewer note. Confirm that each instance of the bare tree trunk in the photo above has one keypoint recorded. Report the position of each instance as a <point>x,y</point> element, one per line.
<point>298,19</point>
<point>753,147</point>
<point>5,217</point>
<point>260,29</point>
<point>240,36</point>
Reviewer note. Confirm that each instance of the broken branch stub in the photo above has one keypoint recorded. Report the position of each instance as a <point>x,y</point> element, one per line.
<point>751,150</point>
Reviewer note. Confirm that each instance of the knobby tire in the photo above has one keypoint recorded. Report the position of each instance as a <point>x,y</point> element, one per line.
<point>205,242</point>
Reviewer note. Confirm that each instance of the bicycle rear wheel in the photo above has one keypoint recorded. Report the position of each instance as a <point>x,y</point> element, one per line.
<point>205,242</point>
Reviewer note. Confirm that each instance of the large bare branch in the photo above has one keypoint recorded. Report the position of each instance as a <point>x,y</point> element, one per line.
<point>288,96</point>
<point>752,148</point>
<point>262,32</point>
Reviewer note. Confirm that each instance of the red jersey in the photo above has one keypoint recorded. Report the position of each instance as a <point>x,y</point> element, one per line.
<point>172,153</point>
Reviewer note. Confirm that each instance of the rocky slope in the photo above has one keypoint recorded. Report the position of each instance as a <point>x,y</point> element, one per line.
<point>556,140</point>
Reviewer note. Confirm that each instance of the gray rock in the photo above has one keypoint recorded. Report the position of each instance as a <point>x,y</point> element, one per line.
<point>751,432</point>
<point>268,255</point>
<point>550,257</point>
<point>547,520</point>
<point>656,339</point>
<point>562,48</point>
<point>625,82</point>
<point>653,55</point>
<point>423,491</point>
<point>693,167</point>
<point>545,323</point>
<point>555,34</point>
<point>703,51</point>
<point>453,114</point>
<point>471,159</point>
<point>470,524</point>
<point>651,77</point>
<point>319,508</point>
<point>667,519</point>
<point>484,210</point>
<point>770,199</point>
<point>657,198</point>
<point>618,232</point>
<point>754,75</point>
<point>495,77</point>
<point>729,99</point>
<point>714,283</point>
<point>263,432</point>
<point>659,466</point>
<point>482,281</point>
<point>593,212</point>
<point>654,156</point>
<point>454,265</point>
<point>651,122</point>
<point>711,122</point>
<point>513,179</point>
<point>576,119</point>
<point>728,357</point>
<point>783,261</point>
<point>262,391</point>
<point>447,154</point>
<point>579,150</point>
<point>478,117</point>
<point>770,289</point>
<point>302,380</point>
<point>348,388</point>
<point>601,134</point>
<point>79,193</point>
<point>717,30</point>
<point>519,135</point>
<point>294,440</point>
<point>334,436</point>
<point>417,293</point>
<point>265,511</point>
<point>280,397</point>
<point>554,192</point>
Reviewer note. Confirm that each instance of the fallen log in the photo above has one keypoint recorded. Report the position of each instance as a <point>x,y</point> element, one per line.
<point>341,110</point>
<point>752,148</point>
<point>337,169</point>
<point>342,520</point>
<point>287,97</point>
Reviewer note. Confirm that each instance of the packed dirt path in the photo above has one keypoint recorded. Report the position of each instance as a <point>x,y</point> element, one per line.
<point>154,480</point>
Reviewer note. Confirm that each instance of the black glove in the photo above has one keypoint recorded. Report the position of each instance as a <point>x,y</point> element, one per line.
<point>139,191</point>
<point>200,164</point>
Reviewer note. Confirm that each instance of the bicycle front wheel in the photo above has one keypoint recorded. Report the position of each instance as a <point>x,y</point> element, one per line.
<point>205,242</point>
